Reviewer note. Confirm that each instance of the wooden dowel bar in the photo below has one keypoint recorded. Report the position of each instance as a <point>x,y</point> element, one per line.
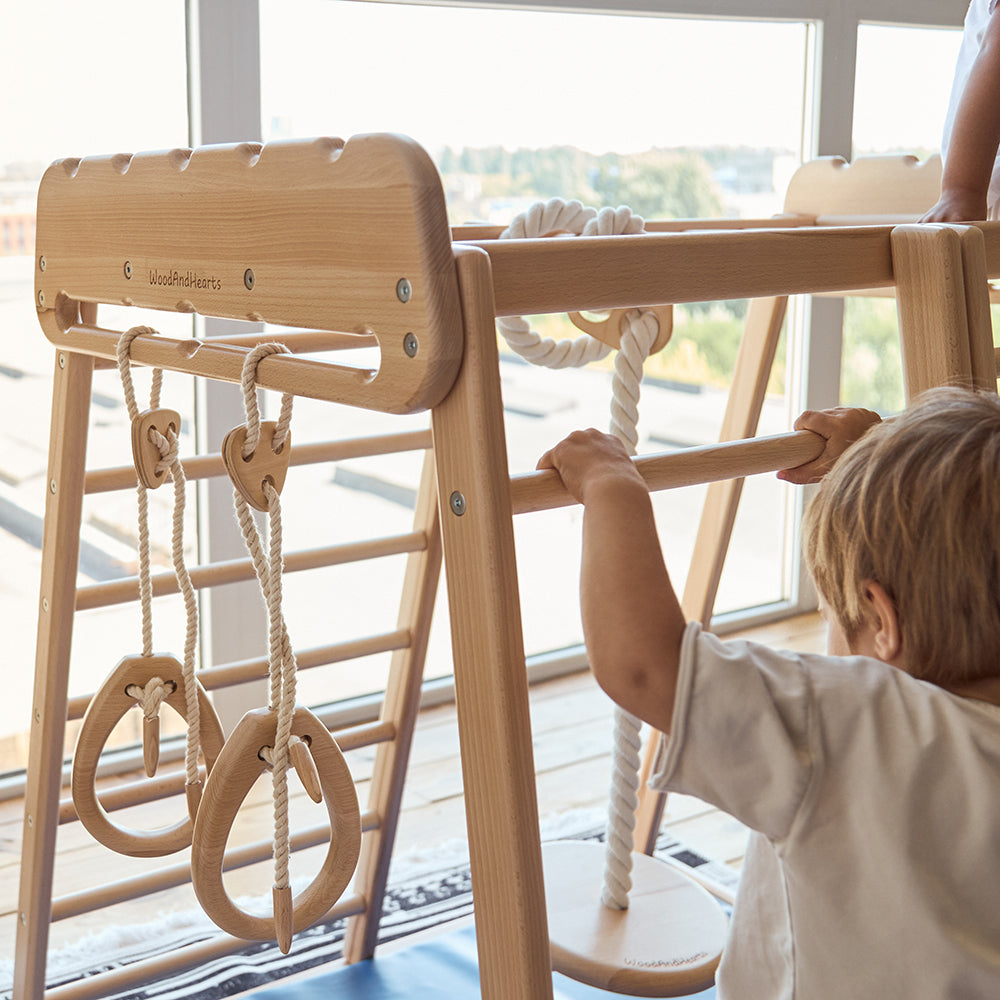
<point>178,960</point>
<point>145,790</point>
<point>299,341</point>
<point>606,272</point>
<point>535,491</point>
<point>257,668</point>
<point>239,671</point>
<point>74,904</point>
<point>224,362</point>
<point>102,595</point>
<point>206,466</point>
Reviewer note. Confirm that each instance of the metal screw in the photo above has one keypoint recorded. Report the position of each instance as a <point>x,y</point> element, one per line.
<point>128,269</point>
<point>403,290</point>
<point>41,263</point>
<point>45,604</point>
<point>38,715</point>
<point>41,298</point>
<point>62,360</point>
<point>248,279</point>
<point>31,820</point>
<point>52,486</point>
<point>457,502</point>
<point>410,345</point>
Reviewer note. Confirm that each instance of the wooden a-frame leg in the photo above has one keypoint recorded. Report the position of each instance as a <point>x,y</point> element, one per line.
<point>982,355</point>
<point>930,300</point>
<point>743,407</point>
<point>402,701</point>
<point>491,686</point>
<point>57,600</point>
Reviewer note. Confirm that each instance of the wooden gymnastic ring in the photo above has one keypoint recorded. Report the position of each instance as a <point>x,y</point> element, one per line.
<point>106,709</point>
<point>238,767</point>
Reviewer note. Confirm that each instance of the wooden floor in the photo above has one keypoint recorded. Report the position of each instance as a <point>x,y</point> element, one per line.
<point>571,722</point>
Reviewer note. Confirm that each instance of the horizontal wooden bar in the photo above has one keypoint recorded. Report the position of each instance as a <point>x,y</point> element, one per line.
<point>300,341</point>
<point>608,272</point>
<point>163,785</point>
<point>485,231</point>
<point>88,900</point>
<point>535,491</point>
<point>101,595</point>
<point>257,668</point>
<point>205,466</point>
<point>178,960</point>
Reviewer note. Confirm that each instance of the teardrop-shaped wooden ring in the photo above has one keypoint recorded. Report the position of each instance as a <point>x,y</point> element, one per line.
<point>106,709</point>
<point>145,454</point>
<point>609,329</point>
<point>238,767</point>
<point>264,465</point>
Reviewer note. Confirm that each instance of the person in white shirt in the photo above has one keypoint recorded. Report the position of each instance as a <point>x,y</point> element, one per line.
<point>970,183</point>
<point>870,776</point>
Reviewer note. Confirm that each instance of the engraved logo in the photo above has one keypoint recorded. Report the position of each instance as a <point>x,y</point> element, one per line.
<point>184,279</point>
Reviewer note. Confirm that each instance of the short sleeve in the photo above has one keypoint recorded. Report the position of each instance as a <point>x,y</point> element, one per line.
<point>741,731</point>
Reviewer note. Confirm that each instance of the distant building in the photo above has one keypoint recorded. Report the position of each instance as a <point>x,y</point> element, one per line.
<point>17,231</point>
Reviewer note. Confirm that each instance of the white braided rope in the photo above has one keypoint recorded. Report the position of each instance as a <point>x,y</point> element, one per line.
<point>169,462</point>
<point>639,331</point>
<point>281,658</point>
<point>561,217</point>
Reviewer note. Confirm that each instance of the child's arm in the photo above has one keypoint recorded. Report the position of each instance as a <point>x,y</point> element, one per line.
<point>974,139</point>
<point>841,426</point>
<point>632,620</point>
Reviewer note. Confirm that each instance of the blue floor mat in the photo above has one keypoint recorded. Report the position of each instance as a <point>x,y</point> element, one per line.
<point>445,966</point>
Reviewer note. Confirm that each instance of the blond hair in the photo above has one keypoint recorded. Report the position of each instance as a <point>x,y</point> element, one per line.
<point>915,506</point>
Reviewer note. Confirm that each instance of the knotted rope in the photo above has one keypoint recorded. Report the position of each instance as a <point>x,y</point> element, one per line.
<point>638,334</point>
<point>152,695</point>
<point>281,658</point>
<point>554,218</point>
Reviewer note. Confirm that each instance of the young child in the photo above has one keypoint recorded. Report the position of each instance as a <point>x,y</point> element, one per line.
<point>970,184</point>
<point>871,776</point>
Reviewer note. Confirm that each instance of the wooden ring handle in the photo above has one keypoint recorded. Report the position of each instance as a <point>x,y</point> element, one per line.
<point>238,767</point>
<point>106,709</point>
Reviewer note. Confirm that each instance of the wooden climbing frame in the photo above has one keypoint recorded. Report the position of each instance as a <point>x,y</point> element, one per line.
<point>348,245</point>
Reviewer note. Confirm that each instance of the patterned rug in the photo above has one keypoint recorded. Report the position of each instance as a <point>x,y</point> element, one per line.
<point>425,891</point>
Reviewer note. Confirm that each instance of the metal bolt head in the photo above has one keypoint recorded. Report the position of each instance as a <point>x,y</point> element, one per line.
<point>41,298</point>
<point>128,269</point>
<point>404,290</point>
<point>248,279</point>
<point>457,503</point>
<point>411,345</point>
<point>52,486</point>
<point>45,604</point>
<point>62,360</point>
<point>41,264</point>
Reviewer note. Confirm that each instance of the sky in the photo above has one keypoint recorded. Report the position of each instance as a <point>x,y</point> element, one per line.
<point>109,75</point>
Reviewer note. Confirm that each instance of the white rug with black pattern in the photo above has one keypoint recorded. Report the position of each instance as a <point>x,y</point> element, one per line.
<point>425,891</point>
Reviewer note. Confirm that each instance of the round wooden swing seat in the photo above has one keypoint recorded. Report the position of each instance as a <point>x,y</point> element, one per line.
<point>666,944</point>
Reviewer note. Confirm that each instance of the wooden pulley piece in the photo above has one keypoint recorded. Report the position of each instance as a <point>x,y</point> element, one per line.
<point>235,772</point>
<point>608,329</point>
<point>145,453</point>
<point>666,944</point>
<point>264,465</point>
<point>105,711</point>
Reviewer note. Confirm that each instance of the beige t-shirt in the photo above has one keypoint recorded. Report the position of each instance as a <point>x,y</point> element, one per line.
<point>875,868</point>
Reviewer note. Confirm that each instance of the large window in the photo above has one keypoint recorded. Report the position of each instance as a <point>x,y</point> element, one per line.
<point>78,79</point>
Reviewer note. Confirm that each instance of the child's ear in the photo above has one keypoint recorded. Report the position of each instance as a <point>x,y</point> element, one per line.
<point>887,638</point>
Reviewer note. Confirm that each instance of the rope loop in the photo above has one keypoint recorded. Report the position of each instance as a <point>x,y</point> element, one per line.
<point>557,217</point>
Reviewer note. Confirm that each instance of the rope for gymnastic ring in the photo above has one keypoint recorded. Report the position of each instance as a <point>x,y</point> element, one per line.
<point>638,334</point>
